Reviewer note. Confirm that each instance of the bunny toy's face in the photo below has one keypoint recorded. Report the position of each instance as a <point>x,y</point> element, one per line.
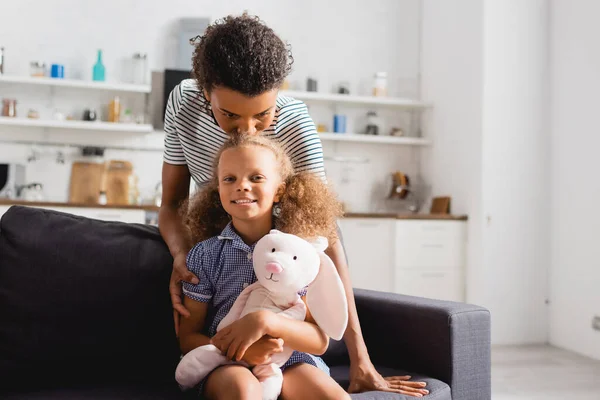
<point>285,263</point>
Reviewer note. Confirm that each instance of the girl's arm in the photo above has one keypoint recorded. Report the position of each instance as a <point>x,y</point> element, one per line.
<point>305,336</point>
<point>190,328</point>
<point>234,340</point>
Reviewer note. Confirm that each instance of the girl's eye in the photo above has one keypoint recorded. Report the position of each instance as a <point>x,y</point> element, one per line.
<point>230,116</point>
<point>257,178</point>
<point>228,179</point>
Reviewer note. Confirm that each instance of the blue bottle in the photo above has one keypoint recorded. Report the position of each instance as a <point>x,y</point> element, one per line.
<point>98,73</point>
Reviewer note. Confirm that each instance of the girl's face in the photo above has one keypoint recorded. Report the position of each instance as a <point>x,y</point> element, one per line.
<point>239,114</point>
<point>249,182</point>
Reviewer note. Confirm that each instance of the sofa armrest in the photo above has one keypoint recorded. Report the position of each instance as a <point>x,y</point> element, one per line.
<point>445,340</point>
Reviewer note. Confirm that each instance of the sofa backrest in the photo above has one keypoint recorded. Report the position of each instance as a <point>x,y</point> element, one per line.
<point>83,301</point>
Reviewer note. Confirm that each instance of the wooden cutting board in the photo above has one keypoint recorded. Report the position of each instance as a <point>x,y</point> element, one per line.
<point>86,182</point>
<point>117,181</point>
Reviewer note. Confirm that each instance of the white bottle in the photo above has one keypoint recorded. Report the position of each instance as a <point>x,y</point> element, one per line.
<point>380,84</point>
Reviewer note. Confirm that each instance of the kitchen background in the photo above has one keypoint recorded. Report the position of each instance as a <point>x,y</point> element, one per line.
<point>513,86</point>
<point>387,39</point>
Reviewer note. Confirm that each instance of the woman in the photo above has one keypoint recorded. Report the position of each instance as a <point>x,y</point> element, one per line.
<point>239,65</point>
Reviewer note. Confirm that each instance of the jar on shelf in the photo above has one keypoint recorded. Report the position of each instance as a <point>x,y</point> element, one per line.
<point>380,84</point>
<point>9,108</point>
<point>114,110</point>
<point>37,69</point>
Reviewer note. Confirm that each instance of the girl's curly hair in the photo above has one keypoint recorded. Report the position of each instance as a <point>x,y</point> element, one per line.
<point>242,54</point>
<point>307,207</point>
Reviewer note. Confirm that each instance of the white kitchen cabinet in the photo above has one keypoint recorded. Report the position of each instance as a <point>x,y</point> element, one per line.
<point>104,214</point>
<point>408,256</point>
<point>431,283</point>
<point>369,244</point>
<point>430,258</point>
<point>430,244</point>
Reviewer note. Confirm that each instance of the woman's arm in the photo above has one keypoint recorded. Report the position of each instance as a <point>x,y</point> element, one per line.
<point>176,183</point>
<point>357,350</point>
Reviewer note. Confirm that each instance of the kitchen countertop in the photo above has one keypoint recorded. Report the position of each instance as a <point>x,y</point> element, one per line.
<point>445,217</point>
<point>9,202</point>
<point>150,207</point>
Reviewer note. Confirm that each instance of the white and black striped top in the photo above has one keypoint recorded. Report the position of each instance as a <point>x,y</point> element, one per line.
<point>193,137</point>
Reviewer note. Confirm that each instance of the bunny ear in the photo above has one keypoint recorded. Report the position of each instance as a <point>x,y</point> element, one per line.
<point>326,300</point>
<point>320,243</point>
<point>274,231</point>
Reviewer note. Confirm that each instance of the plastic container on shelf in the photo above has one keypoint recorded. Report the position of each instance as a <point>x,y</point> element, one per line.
<point>139,69</point>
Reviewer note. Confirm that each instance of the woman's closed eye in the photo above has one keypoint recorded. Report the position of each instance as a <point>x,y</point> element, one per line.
<point>230,115</point>
<point>264,114</point>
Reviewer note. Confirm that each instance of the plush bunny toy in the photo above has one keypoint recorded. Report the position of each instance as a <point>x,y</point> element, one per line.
<point>284,264</point>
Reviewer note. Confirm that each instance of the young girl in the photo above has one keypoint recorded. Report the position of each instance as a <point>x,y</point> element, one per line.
<point>254,190</point>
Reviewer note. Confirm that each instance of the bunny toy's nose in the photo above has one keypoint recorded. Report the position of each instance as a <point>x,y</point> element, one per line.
<point>274,268</point>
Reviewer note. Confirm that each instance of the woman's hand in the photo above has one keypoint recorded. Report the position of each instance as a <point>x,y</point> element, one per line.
<point>261,351</point>
<point>235,339</point>
<point>364,377</point>
<point>180,273</point>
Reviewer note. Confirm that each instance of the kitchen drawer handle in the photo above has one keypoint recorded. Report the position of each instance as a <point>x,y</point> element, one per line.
<point>433,275</point>
<point>432,245</point>
<point>368,224</point>
<point>434,228</point>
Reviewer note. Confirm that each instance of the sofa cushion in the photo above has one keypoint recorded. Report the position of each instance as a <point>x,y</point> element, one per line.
<point>438,390</point>
<point>83,301</point>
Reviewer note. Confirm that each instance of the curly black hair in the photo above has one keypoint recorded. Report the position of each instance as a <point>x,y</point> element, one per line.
<point>242,54</point>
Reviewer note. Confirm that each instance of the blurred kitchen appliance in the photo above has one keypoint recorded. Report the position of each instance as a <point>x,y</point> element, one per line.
<point>12,176</point>
<point>406,194</point>
<point>173,77</point>
<point>400,186</point>
<point>32,192</point>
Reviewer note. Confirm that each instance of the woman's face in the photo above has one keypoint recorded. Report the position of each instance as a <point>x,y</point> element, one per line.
<point>249,182</point>
<point>239,114</point>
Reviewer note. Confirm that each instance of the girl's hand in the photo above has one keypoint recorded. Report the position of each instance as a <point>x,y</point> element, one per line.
<point>236,338</point>
<point>262,351</point>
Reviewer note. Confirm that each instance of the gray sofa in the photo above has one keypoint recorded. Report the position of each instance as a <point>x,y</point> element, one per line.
<point>85,314</point>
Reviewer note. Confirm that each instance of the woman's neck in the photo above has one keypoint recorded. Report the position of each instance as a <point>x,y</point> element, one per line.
<point>251,231</point>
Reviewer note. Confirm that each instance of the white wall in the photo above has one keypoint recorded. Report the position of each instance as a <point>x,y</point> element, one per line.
<point>575,191</point>
<point>452,81</point>
<point>484,69</point>
<point>336,40</point>
<point>331,41</point>
<point>515,161</point>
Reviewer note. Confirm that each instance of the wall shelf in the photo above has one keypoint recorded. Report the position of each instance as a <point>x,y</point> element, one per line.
<point>355,137</point>
<point>73,83</point>
<point>79,125</point>
<point>357,100</point>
